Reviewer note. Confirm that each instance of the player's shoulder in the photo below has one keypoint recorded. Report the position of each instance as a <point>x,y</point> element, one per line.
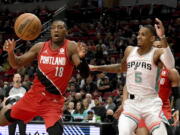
<point>129,49</point>
<point>72,44</point>
<point>37,46</point>
<point>71,48</point>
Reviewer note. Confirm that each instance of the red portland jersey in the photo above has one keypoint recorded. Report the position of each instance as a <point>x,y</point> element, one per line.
<point>165,92</point>
<point>55,65</point>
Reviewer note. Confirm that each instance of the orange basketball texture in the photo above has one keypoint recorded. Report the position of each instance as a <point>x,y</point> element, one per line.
<point>27,26</point>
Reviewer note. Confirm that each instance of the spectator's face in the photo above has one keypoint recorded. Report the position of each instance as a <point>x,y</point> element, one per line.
<point>109,100</point>
<point>58,31</point>
<point>96,101</point>
<point>145,37</point>
<point>71,105</point>
<point>90,115</point>
<point>78,96</point>
<point>82,93</point>
<point>101,75</point>
<point>78,106</point>
<point>88,97</point>
<point>17,78</point>
<point>85,103</point>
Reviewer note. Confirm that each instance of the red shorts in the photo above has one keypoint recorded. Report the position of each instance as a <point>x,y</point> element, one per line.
<point>142,124</point>
<point>38,102</point>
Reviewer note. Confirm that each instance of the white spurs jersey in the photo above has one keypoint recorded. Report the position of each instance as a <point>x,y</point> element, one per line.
<point>141,73</point>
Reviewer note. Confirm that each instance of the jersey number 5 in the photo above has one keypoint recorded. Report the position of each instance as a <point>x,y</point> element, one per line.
<point>59,71</point>
<point>138,78</point>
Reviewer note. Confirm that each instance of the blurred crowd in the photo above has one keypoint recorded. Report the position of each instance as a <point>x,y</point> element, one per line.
<point>106,32</point>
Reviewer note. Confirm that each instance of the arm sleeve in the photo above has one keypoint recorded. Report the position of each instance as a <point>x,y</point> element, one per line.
<point>83,68</point>
<point>167,58</point>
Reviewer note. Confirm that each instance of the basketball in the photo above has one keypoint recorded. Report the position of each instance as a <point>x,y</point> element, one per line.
<point>27,26</point>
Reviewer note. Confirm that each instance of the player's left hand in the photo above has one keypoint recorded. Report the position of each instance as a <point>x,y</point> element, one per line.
<point>159,28</point>
<point>176,118</point>
<point>81,49</point>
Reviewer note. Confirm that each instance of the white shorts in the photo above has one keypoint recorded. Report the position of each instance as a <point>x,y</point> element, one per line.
<point>148,108</point>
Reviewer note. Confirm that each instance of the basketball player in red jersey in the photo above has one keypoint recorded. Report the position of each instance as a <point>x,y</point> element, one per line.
<point>56,60</point>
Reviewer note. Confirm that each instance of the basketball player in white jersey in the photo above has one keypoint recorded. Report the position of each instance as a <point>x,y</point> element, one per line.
<point>141,65</point>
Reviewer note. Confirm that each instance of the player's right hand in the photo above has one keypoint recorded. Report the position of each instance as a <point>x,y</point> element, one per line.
<point>118,112</point>
<point>9,45</point>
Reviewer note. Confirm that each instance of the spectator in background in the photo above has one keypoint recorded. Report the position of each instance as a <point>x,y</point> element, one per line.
<point>110,104</point>
<point>99,110</point>
<point>78,114</point>
<point>103,84</point>
<point>91,117</point>
<point>90,100</point>
<point>86,106</point>
<point>19,90</point>
<point>68,111</point>
<point>109,116</point>
<point>70,107</point>
<point>89,86</point>
<point>77,98</point>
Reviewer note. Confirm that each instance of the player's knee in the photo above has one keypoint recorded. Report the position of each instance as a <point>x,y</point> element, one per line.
<point>56,129</point>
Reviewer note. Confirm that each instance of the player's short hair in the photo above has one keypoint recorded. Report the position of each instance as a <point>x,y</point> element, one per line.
<point>150,28</point>
<point>57,20</point>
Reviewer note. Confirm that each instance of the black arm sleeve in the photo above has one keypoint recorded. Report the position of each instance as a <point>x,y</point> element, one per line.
<point>83,68</point>
<point>176,94</point>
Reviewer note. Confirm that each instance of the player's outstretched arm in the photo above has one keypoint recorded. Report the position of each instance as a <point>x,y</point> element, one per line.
<point>165,55</point>
<point>113,68</point>
<point>20,61</point>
